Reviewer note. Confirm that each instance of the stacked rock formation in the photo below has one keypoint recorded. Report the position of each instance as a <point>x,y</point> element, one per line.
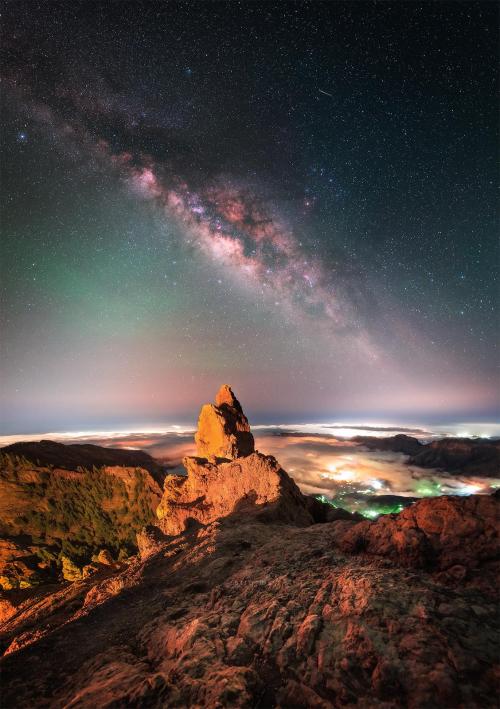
<point>223,428</point>
<point>229,476</point>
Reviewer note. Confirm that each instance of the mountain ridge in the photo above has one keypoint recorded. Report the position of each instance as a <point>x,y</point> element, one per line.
<point>71,456</point>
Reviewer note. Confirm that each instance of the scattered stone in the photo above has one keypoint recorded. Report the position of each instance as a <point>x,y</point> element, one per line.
<point>70,571</point>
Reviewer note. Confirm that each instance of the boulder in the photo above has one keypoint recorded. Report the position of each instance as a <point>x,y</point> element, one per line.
<point>436,533</point>
<point>70,571</point>
<point>105,558</point>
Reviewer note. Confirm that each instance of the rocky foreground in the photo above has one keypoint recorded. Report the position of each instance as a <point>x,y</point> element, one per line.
<point>248,594</point>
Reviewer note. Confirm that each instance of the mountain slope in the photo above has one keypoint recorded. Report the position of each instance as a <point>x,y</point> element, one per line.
<point>245,614</point>
<point>50,513</point>
<point>458,456</point>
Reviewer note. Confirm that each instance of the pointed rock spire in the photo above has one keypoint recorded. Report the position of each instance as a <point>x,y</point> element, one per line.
<point>243,482</point>
<point>226,396</point>
<point>223,428</point>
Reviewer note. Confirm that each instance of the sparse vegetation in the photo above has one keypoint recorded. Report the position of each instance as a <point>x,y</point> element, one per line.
<point>75,515</point>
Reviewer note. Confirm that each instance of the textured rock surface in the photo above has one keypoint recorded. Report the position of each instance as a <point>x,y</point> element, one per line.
<point>245,614</point>
<point>19,566</point>
<point>215,487</point>
<point>223,428</point>
<point>438,533</point>
<point>210,491</point>
<point>104,557</point>
<point>149,541</point>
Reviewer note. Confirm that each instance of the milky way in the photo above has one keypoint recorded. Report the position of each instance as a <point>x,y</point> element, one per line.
<point>234,229</point>
<point>230,224</point>
<point>305,209</point>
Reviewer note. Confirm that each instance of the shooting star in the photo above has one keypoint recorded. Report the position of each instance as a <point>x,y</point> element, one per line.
<point>325,92</point>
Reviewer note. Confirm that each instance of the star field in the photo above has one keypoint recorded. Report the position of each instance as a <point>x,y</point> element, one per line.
<point>297,198</point>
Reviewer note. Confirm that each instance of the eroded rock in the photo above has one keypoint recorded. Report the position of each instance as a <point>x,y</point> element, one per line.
<point>229,477</point>
<point>104,557</point>
<point>223,429</point>
<point>443,533</point>
<point>252,486</point>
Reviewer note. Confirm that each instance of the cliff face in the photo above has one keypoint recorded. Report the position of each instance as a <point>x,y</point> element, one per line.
<point>463,456</point>
<point>238,599</point>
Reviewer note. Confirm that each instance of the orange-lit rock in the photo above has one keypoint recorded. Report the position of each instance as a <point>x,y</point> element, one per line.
<point>440,533</point>
<point>242,613</point>
<point>105,558</point>
<point>215,487</point>
<point>254,485</point>
<point>223,428</point>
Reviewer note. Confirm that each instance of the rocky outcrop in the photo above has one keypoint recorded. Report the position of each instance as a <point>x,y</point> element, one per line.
<point>223,429</point>
<point>104,558</point>
<point>238,599</point>
<point>442,533</point>
<point>244,614</point>
<point>252,486</point>
<point>461,456</point>
<point>248,484</point>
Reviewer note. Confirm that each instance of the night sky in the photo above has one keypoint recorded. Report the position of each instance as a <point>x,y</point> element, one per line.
<point>298,199</point>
